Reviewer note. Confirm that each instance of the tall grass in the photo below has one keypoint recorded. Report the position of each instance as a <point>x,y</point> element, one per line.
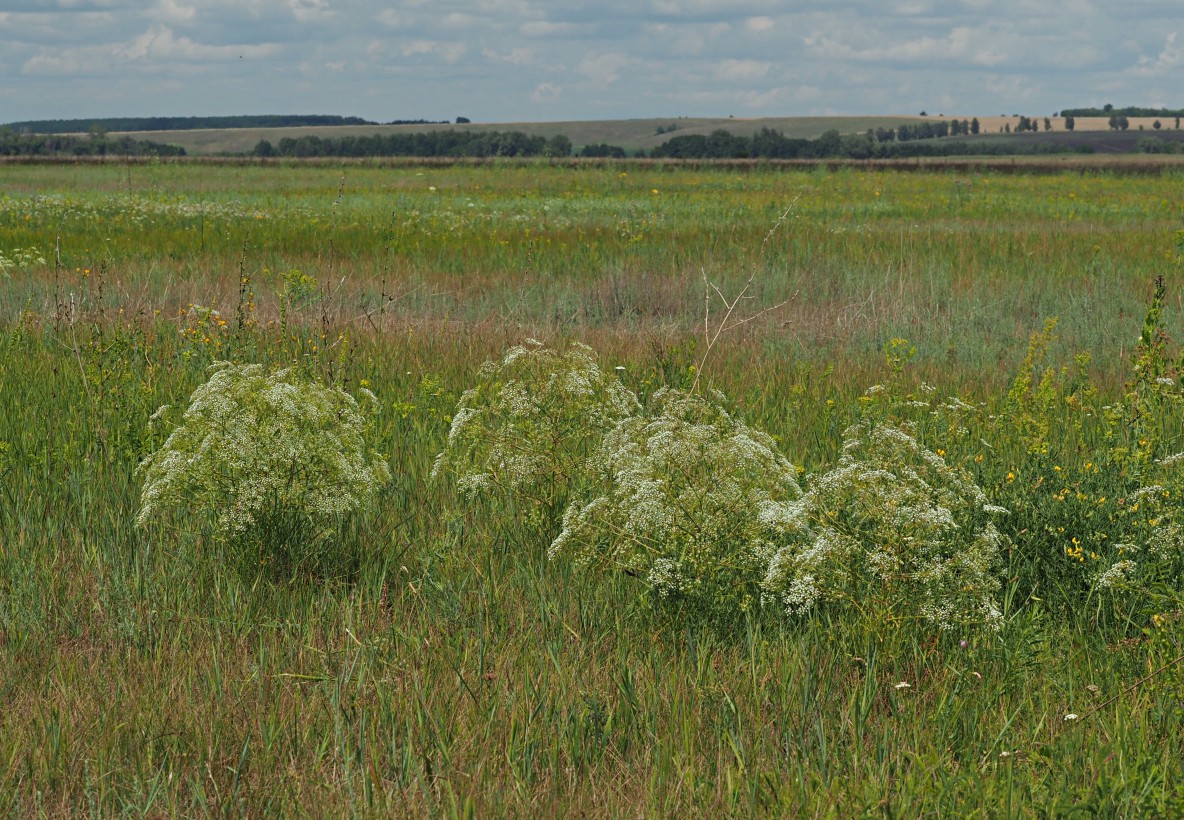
<point>460,671</point>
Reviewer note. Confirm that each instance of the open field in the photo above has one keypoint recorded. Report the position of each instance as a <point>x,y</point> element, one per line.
<point>450,667</point>
<point>993,125</point>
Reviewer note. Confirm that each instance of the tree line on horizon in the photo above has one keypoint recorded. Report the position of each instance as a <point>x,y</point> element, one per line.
<point>922,139</point>
<point>449,143</point>
<point>720,144</point>
<point>1109,110</point>
<point>95,144</point>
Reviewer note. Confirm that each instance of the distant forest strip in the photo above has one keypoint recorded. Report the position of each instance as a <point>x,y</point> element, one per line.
<point>1128,111</point>
<point>927,139</point>
<point>194,123</point>
<point>13,144</point>
<point>912,142</point>
<point>766,143</point>
<point>450,143</point>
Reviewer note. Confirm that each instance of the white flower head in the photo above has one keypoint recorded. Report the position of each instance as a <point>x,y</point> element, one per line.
<point>253,448</point>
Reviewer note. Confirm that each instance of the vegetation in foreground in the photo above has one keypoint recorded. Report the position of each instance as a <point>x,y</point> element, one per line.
<point>446,661</point>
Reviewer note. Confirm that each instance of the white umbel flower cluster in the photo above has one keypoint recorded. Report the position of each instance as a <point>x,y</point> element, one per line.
<point>685,489</point>
<point>892,518</point>
<point>255,447</point>
<point>707,512</point>
<point>530,423</point>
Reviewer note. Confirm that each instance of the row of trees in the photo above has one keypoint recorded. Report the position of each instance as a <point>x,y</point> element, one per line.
<point>1119,122</point>
<point>14,144</point>
<point>909,140</point>
<point>1109,110</point>
<point>770,144</point>
<point>450,143</point>
<point>878,143</point>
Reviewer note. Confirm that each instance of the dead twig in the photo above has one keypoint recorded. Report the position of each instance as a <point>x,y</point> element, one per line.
<point>710,336</point>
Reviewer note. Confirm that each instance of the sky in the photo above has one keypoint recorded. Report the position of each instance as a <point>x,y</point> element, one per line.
<point>532,61</point>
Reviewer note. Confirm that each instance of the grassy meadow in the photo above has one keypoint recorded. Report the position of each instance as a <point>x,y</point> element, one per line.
<point>454,668</point>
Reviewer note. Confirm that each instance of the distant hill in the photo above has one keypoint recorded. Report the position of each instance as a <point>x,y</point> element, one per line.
<point>632,135</point>
<point>138,124</point>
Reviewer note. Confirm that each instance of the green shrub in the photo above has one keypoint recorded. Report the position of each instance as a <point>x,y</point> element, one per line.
<point>272,461</point>
<point>1096,495</point>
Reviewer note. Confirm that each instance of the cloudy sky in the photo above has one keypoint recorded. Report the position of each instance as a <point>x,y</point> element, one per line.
<point>528,60</point>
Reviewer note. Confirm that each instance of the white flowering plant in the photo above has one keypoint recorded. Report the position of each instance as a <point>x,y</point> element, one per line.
<point>684,489</point>
<point>892,530</point>
<point>274,460</point>
<point>526,429</point>
<point>20,259</point>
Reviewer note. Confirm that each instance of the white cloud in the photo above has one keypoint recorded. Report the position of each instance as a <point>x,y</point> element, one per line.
<point>544,28</point>
<point>961,44</point>
<point>418,47</point>
<point>52,65</point>
<point>546,93</point>
<point>742,70</point>
<point>391,18</point>
<point>517,56</point>
<point>450,52</point>
<point>173,12</point>
<point>1169,58</point>
<point>459,20</point>
<point>310,11</point>
<point>521,59</point>
<point>727,101</point>
<point>604,69</point>
<point>159,43</point>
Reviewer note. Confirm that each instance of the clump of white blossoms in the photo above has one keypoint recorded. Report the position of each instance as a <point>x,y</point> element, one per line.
<point>891,525</point>
<point>528,426</point>
<point>276,458</point>
<point>685,489</point>
<point>1151,552</point>
<point>20,258</point>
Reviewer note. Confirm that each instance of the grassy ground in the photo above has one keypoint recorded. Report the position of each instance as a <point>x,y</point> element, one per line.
<point>460,671</point>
